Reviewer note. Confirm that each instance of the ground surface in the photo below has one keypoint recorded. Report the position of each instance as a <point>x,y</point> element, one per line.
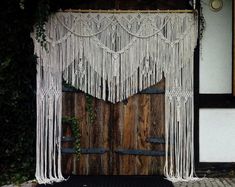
<point>136,182</point>
<point>113,181</point>
<point>208,182</point>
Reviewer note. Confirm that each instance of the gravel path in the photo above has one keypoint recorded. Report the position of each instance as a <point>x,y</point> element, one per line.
<point>208,182</point>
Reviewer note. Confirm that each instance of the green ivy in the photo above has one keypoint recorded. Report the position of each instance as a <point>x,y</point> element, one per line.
<point>74,122</point>
<point>18,18</point>
<point>17,93</point>
<point>89,103</point>
<point>43,12</point>
<point>90,109</point>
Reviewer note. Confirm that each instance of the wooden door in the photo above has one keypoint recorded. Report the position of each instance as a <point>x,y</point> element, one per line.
<point>126,138</point>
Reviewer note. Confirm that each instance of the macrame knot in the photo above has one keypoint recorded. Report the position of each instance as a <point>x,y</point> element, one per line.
<point>53,44</point>
<point>129,26</point>
<point>98,25</point>
<point>118,55</point>
<point>115,59</point>
<point>114,26</point>
<point>185,99</point>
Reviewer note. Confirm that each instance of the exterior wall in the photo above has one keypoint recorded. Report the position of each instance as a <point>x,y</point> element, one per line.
<point>216,50</point>
<point>217,132</point>
<point>216,126</point>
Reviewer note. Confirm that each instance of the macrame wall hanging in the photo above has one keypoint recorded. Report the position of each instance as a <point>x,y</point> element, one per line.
<point>111,57</point>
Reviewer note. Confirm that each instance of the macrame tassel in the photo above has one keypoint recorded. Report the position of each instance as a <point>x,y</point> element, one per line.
<point>49,91</point>
<point>179,165</point>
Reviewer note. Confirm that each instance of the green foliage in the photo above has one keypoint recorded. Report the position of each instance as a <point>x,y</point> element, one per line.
<point>17,94</point>
<point>18,18</point>
<point>18,84</point>
<point>74,122</point>
<point>89,103</point>
<point>43,11</point>
<point>90,109</point>
<point>17,90</point>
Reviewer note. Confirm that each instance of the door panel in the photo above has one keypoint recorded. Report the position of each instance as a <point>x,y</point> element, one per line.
<point>122,130</point>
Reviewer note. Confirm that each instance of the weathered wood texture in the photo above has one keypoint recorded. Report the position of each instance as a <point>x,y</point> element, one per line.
<point>134,122</point>
<point>125,125</point>
<point>92,135</point>
<point>67,110</point>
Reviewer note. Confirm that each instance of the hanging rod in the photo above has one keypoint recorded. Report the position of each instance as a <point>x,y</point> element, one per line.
<point>126,11</point>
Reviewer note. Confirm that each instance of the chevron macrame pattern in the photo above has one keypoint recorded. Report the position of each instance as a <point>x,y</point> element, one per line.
<point>111,57</point>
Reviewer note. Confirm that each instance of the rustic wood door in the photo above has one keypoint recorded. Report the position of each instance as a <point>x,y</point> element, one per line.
<point>126,138</point>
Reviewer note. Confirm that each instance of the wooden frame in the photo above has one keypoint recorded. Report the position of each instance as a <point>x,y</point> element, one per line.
<point>211,101</point>
<point>233,48</point>
<point>127,11</point>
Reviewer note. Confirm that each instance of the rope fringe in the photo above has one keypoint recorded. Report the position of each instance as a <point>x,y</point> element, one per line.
<point>113,56</point>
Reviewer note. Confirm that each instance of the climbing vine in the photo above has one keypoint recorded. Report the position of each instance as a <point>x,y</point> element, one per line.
<point>91,115</point>
<point>90,109</point>
<point>74,122</point>
<point>43,11</point>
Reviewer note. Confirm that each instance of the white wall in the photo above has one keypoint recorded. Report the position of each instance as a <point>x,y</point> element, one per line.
<point>216,126</point>
<point>217,135</point>
<point>216,50</point>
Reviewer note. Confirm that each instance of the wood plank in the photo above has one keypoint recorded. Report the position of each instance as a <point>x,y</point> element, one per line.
<point>118,123</point>
<point>97,133</point>
<point>92,135</point>
<point>80,113</point>
<point>94,161</point>
<point>119,133</point>
<point>98,165</point>
<point>129,137</point>
<point>67,104</point>
<point>68,110</point>
<point>157,125</point>
<point>142,162</point>
<point>132,123</point>
<point>233,49</point>
<point>105,136</point>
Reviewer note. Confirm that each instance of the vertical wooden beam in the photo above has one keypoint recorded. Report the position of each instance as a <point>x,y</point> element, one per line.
<point>233,49</point>
<point>111,140</point>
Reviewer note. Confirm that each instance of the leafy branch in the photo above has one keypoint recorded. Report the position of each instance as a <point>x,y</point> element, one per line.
<point>74,122</point>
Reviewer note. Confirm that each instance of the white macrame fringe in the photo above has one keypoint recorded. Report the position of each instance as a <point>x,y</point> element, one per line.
<point>49,107</point>
<point>111,57</point>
